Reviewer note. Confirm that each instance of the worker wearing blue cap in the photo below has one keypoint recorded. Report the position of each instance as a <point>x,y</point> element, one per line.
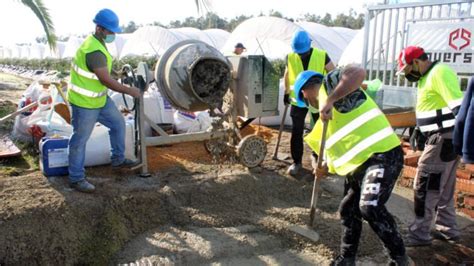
<point>361,146</point>
<point>304,57</point>
<point>87,94</point>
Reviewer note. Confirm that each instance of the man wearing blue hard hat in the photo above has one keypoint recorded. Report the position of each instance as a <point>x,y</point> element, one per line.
<point>303,57</point>
<point>360,145</point>
<point>87,94</point>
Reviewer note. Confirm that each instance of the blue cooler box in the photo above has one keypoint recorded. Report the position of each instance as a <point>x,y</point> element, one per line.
<point>54,159</point>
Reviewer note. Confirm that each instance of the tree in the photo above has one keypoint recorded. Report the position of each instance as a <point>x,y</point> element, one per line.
<point>130,28</point>
<point>233,23</point>
<point>42,14</point>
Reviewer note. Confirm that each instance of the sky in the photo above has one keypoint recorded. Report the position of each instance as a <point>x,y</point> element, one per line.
<point>18,24</point>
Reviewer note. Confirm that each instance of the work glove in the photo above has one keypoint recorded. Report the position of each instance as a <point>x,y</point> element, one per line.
<point>286,99</point>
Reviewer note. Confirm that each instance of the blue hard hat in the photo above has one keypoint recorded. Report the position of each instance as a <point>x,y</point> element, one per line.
<point>108,19</point>
<point>301,81</point>
<point>300,43</point>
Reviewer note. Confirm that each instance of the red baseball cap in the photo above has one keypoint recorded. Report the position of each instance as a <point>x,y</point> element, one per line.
<point>407,55</point>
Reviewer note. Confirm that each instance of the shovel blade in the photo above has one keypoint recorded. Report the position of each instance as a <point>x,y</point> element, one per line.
<point>305,231</point>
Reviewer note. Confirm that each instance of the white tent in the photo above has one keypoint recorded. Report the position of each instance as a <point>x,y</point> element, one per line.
<point>213,37</point>
<point>37,51</point>
<point>25,51</point>
<point>346,33</point>
<point>7,52</point>
<point>16,51</point>
<point>325,38</point>
<point>150,41</point>
<point>260,32</point>
<point>218,37</point>
<point>71,47</point>
<point>115,48</point>
<point>271,36</point>
<point>60,47</point>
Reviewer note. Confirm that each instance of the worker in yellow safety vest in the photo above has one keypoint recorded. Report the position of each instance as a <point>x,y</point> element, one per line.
<point>304,57</point>
<point>360,145</point>
<point>438,101</point>
<point>87,94</point>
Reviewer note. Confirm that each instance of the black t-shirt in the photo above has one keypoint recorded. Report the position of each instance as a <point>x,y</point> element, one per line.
<point>350,101</point>
<point>96,59</point>
<point>306,57</point>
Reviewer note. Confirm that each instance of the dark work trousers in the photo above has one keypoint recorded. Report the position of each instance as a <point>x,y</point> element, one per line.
<point>366,190</point>
<point>298,116</point>
<point>434,185</point>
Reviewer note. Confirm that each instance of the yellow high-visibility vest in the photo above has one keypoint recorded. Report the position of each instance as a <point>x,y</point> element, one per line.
<point>295,66</point>
<point>85,90</point>
<point>353,137</point>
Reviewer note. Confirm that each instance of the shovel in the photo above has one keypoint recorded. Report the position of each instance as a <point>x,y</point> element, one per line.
<point>282,124</point>
<point>307,231</point>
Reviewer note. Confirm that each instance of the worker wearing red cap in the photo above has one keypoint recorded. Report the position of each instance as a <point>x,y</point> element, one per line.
<point>87,93</point>
<point>438,102</point>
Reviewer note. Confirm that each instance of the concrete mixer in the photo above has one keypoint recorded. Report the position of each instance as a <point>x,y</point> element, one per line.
<point>194,76</point>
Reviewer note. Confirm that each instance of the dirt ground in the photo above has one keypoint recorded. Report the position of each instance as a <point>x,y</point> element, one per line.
<point>191,211</point>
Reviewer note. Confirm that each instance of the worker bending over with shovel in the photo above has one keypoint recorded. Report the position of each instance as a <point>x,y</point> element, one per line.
<point>360,145</point>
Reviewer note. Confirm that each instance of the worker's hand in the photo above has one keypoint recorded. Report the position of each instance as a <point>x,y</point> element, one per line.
<point>322,172</point>
<point>134,92</point>
<point>325,113</point>
<point>286,99</point>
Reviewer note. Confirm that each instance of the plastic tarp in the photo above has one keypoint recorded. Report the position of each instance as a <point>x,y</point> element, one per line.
<point>218,37</point>
<point>326,38</point>
<point>37,51</point>
<point>271,36</point>
<point>262,32</point>
<point>115,48</point>
<point>150,41</point>
<point>71,47</point>
<point>154,40</point>
<point>346,33</point>
<point>60,47</point>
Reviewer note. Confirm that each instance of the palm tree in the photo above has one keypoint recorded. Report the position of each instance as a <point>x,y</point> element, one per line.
<point>203,5</point>
<point>42,14</point>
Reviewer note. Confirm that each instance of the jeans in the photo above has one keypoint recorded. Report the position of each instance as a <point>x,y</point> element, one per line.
<point>366,190</point>
<point>298,116</point>
<point>83,122</point>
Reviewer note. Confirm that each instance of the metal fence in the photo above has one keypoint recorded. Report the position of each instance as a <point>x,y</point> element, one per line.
<point>386,32</point>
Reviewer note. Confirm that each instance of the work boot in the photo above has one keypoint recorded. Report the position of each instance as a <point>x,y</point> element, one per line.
<point>127,163</point>
<point>412,241</point>
<point>401,261</point>
<point>294,169</point>
<point>343,261</point>
<point>444,237</point>
<point>83,186</point>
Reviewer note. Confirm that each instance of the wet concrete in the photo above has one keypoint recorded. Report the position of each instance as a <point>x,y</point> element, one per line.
<point>210,80</point>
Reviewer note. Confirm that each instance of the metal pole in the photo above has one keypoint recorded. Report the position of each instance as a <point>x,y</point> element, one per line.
<point>366,39</point>
<point>387,46</point>
<point>379,55</point>
<point>394,48</point>
<point>373,46</point>
<point>173,139</point>
<point>402,37</point>
<point>141,127</point>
